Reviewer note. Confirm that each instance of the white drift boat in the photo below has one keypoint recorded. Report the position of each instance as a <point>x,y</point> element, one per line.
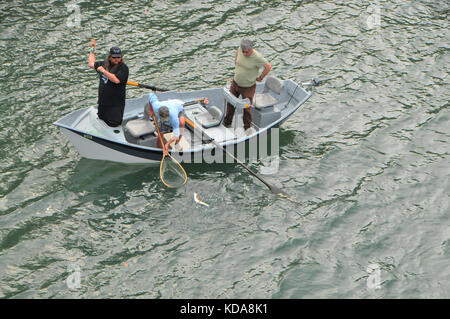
<point>135,140</point>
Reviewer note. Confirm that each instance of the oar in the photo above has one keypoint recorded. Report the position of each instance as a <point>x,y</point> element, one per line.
<point>139,85</point>
<point>272,188</point>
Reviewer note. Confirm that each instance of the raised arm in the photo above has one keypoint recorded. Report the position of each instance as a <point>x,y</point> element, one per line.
<point>91,59</point>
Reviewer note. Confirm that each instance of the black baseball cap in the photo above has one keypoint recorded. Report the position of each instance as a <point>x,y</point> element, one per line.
<point>115,52</point>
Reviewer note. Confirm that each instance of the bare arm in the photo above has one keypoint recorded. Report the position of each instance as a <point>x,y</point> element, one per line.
<point>92,54</point>
<point>266,70</point>
<point>111,76</point>
<point>166,146</point>
<point>151,112</point>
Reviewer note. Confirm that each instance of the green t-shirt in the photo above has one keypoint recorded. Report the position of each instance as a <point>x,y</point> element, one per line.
<point>247,68</point>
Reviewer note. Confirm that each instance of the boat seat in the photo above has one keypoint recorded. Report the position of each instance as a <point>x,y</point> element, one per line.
<point>273,86</point>
<point>140,127</point>
<point>211,118</point>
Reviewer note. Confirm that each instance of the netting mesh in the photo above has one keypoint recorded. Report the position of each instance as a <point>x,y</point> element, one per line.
<point>172,173</point>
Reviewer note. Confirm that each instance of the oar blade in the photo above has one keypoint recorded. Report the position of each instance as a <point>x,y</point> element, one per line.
<point>276,190</point>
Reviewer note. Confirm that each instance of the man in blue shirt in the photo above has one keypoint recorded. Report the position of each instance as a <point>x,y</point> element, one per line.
<point>170,116</point>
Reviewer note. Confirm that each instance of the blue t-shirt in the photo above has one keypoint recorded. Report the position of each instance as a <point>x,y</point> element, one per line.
<point>174,106</point>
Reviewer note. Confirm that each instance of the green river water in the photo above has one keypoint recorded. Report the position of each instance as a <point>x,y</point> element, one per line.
<point>367,155</point>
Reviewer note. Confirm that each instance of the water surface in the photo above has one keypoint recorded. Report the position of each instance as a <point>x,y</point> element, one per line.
<point>367,155</point>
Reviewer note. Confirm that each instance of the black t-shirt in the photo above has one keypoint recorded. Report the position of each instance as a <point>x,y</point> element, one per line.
<point>110,93</point>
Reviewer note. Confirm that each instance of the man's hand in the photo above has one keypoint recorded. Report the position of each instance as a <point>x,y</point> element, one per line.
<point>166,148</point>
<point>92,43</point>
<point>266,70</point>
<point>101,69</point>
<point>203,100</point>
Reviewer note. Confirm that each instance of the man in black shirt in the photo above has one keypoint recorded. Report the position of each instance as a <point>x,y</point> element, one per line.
<point>111,90</point>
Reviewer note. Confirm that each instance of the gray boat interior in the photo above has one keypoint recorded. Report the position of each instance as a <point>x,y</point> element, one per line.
<point>274,101</point>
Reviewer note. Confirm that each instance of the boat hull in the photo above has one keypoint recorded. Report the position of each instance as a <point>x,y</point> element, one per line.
<point>92,147</point>
<point>100,149</point>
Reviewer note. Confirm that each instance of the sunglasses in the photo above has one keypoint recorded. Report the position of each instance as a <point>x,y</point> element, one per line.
<point>116,57</point>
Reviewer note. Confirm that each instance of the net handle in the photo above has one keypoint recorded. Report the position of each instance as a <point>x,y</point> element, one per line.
<point>164,156</point>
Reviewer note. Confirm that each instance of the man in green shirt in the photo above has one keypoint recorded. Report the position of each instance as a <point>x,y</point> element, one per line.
<point>247,63</point>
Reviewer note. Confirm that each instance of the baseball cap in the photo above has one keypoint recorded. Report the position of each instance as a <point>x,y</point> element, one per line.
<point>115,52</point>
<point>164,114</point>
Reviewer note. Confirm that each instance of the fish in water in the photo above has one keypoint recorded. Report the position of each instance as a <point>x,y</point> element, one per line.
<point>198,201</point>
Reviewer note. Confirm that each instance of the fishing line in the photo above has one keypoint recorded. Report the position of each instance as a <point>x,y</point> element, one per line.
<point>90,27</point>
<point>296,87</point>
